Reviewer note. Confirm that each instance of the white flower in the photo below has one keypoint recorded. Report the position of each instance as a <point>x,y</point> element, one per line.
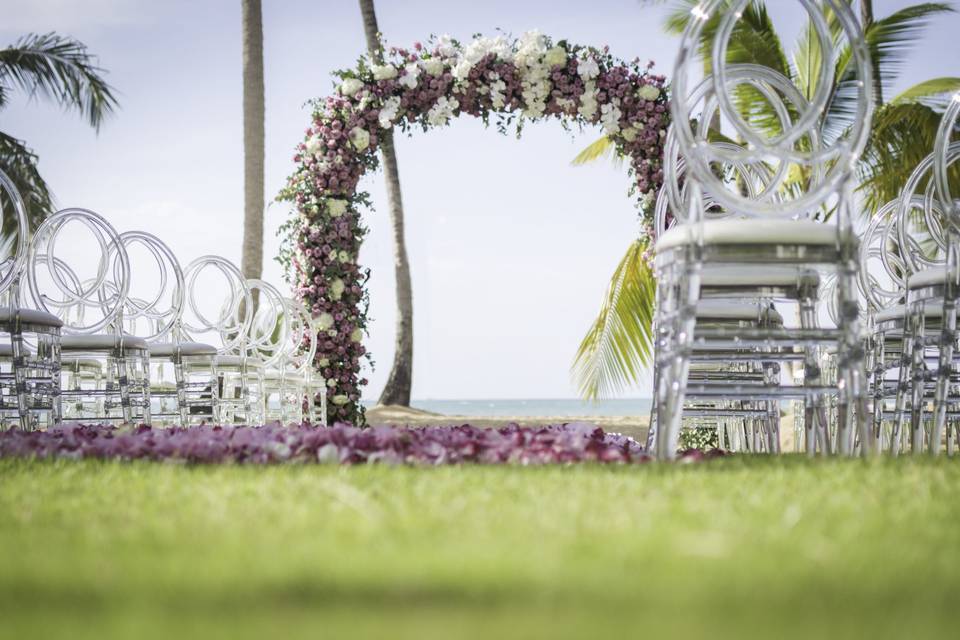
<point>446,46</point>
<point>332,255</point>
<point>340,400</point>
<point>433,66</point>
<point>359,138</point>
<point>461,70</point>
<point>336,207</point>
<point>313,145</point>
<point>555,56</point>
<point>337,288</point>
<point>610,118</point>
<point>323,362</point>
<point>409,80</point>
<point>350,86</point>
<point>343,256</point>
<point>357,335</point>
<point>332,333</point>
<point>587,68</point>
<point>629,134</point>
<point>441,112</point>
<point>648,92</point>
<point>331,383</point>
<point>383,71</point>
<point>324,322</point>
<point>588,101</point>
<point>388,112</point>
<point>530,46</point>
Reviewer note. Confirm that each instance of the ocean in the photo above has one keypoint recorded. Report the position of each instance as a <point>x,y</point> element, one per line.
<point>565,407</point>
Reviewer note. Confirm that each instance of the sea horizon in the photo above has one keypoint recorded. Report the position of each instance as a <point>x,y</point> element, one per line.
<point>566,407</point>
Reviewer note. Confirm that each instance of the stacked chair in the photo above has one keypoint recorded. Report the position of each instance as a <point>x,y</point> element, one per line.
<point>102,326</point>
<point>741,236</point>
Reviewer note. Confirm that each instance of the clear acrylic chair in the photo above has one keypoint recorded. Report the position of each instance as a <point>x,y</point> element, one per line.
<point>30,345</point>
<point>768,223</point>
<point>293,383</point>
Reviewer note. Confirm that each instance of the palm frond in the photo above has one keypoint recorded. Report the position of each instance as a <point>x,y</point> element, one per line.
<point>602,148</point>
<point>20,164</point>
<point>59,68</point>
<point>618,345</point>
<point>933,89</point>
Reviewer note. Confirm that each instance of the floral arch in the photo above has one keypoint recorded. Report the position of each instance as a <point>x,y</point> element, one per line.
<point>508,81</point>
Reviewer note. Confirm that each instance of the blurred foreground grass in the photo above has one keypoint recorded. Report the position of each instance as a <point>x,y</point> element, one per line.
<point>733,548</point>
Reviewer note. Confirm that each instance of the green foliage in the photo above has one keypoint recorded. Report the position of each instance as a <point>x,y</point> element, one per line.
<point>618,345</point>
<point>56,68</point>
<point>700,438</point>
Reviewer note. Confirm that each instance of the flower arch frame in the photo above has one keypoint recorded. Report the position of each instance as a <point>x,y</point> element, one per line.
<point>501,80</point>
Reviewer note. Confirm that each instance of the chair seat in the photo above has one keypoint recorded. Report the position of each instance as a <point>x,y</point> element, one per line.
<point>734,310</point>
<point>747,276</point>
<point>930,309</point>
<point>228,360</point>
<point>100,342</point>
<point>752,231</point>
<point>32,316</point>
<point>167,349</point>
<point>928,278</point>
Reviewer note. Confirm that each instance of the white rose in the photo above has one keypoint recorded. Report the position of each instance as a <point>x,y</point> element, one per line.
<point>350,86</point>
<point>384,71</point>
<point>336,207</point>
<point>313,145</point>
<point>344,256</point>
<point>555,56</point>
<point>359,138</point>
<point>324,362</point>
<point>357,335</point>
<point>461,70</point>
<point>332,255</point>
<point>648,92</point>
<point>331,383</point>
<point>629,134</point>
<point>433,66</point>
<point>340,400</point>
<point>337,288</point>
<point>332,333</point>
<point>324,322</point>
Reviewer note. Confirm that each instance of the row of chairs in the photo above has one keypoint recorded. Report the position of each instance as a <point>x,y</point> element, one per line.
<point>108,327</point>
<point>741,236</point>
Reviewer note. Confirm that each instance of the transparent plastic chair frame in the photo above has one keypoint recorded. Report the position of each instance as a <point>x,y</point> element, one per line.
<point>30,372</point>
<point>679,269</point>
<point>295,380</point>
<point>122,383</point>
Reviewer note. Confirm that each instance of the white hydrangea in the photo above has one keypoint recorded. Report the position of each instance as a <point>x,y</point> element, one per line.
<point>446,46</point>
<point>324,322</point>
<point>359,138</point>
<point>383,71</point>
<point>587,67</point>
<point>629,134</point>
<point>336,207</point>
<point>610,118</point>
<point>340,400</point>
<point>409,80</point>
<point>388,112</point>
<point>313,145</point>
<point>356,335</point>
<point>530,47</point>
<point>337,287</point>
<point>648,92</point>
<point>555,56</point>
<point>350,86</point>
<point>441,112</point>
<point>433,66</point>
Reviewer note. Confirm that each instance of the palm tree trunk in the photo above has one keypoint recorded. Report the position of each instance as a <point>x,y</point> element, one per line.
<point>253,139</point>
<point>866,19</point>
<point>397,389</point>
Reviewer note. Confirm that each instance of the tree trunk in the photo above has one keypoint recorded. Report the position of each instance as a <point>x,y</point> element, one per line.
<point>253,139</point>
<point>866,19</point>
<point>397,389</point>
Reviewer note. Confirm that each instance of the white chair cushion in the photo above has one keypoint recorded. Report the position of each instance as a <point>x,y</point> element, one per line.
<point>927,278</point>
<point>734,310</point>
<point>747,276</point>
<point>752,231</point>
<point>33,316</point>
<point>930,309</point>
<point>167,349</point>
<point>100,342</point>
<point>235,361</point>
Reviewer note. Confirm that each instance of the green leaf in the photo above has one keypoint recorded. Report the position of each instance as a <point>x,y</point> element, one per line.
<point>933,88</point>
<point>618,345</point>
<point>20,165</point>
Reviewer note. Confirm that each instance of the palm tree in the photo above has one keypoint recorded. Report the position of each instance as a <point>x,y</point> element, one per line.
<point>616,349</point>
<point>397,389</point>
<point>60,69</point>
<point>253,138</point>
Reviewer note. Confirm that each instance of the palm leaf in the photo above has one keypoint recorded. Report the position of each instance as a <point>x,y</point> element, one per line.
<point>617,348</point>
<point>20,164</point>
<point>933,88</point>
<point>59,68</point>
<point>604,147</point>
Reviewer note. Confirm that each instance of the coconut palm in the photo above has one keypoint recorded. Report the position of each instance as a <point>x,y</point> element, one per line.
<point>251,260</point>
<point>615,350</point>
<point>60,69</point>
<point>400,380</point>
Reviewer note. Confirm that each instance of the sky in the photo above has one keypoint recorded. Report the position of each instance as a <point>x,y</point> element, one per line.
<point>511,247</point>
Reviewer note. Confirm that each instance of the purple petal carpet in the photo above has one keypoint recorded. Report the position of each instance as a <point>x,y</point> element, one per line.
<point>342,444</point>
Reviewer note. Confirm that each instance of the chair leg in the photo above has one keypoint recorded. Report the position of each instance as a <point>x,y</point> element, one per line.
<point>919,386</point>
<point>944,369</point>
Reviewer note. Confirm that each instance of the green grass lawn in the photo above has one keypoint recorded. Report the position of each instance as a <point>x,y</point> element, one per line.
<point>734,548</point>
